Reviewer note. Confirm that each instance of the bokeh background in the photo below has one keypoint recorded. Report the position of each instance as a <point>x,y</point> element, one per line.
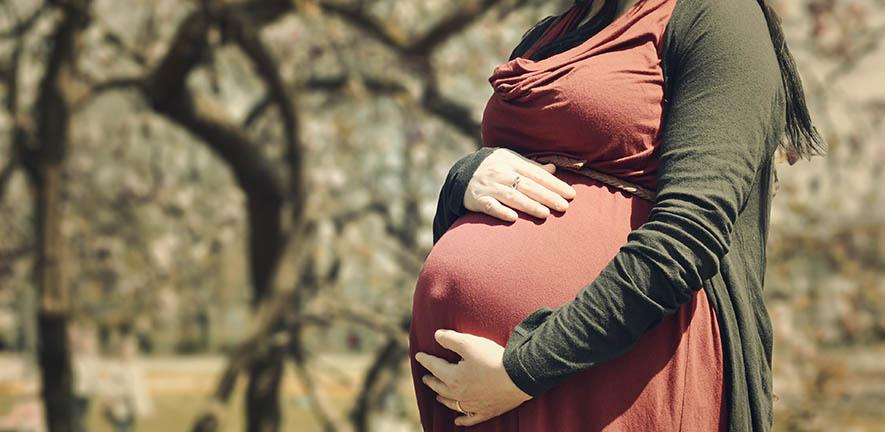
<point>213,213</point>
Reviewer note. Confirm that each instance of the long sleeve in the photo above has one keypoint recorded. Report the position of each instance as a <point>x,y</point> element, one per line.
<point>450,205</point>
<point>722,124</point>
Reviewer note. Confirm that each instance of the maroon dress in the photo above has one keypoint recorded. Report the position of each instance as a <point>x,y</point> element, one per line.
<point>601,101</point>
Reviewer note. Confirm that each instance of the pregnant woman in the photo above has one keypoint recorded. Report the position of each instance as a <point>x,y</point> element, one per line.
<point>634,303</point>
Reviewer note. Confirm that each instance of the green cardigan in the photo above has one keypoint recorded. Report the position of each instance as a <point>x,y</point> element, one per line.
<point>725,115</point>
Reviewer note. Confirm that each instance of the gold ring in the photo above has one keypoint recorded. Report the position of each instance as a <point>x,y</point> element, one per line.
<point>458,407</point>
<point>462,411</point>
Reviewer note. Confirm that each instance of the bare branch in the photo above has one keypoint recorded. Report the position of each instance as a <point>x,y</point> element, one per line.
<point>368,24</point>
<point>118,42</point>
<point>452,112</point>
<point>257,110</point>
<point>453,24</point>
<point>456,115</point>
<point>268,69</point>
<point>22,25</point>
<point>19,136</point>
<point>377,86</point>
<point>109,85</point>
<point>388,359</point>
<point>167,93</point>
<point>421,46</point>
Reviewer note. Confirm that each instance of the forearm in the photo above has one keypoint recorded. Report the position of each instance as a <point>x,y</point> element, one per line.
<point>724,118</point>
<point>606,319</point>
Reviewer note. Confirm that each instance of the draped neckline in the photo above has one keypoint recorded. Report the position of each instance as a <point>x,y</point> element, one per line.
<point>529,65</point>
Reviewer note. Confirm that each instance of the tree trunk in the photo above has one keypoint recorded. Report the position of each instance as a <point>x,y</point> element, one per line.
<point>53,352</point>
<point>263,411</point>
<point>52,115</point>
<point>55,371</point>
<point>167,91</point>
<point>262,395</point>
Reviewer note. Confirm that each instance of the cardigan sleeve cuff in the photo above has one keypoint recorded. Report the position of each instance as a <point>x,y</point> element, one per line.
<point>519,372</point>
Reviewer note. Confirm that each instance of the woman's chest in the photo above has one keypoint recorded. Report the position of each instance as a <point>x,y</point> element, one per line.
<point>603,107</point>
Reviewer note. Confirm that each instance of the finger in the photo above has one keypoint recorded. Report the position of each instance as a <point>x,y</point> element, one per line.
<point>533,167</point>
<point>515,155</point>
<point>453,341</point>
<point>437,366</point>
<point>546,179</point>
<point>438,386</point>
<point>492,207</point>
<point>448,402</point>
<point>517,200</point>
<point>466,420</point>
<point>542,195</point>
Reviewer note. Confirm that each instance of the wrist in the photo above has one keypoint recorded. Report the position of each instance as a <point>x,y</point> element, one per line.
<point>465,170</point>
<point>519,375</point>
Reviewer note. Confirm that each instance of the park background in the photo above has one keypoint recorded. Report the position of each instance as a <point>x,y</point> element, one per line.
<point>218,209</point>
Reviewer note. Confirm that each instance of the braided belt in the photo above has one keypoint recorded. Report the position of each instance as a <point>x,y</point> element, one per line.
<point>578,166</point>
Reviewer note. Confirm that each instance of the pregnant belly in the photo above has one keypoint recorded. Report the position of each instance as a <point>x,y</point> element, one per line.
<point>485,275</point>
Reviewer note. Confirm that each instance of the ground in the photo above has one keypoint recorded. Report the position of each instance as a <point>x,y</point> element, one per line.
<point>178,387</point>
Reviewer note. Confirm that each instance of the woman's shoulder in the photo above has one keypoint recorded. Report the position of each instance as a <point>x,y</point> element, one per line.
<point>693,20</point>
<point>721,34</point>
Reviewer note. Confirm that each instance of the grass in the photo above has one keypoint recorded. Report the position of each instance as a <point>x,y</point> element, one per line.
<point>179,386</point>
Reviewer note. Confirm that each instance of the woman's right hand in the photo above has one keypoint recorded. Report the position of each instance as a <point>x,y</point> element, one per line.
<point>490,189</point>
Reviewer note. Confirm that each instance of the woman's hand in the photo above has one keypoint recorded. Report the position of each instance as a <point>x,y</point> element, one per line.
<point>491,191</point>
<point>478,382</point>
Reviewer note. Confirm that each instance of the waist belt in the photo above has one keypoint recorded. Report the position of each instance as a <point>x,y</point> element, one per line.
<point>579,166</point>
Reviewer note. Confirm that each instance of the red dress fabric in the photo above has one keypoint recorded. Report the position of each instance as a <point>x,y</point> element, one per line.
<point>601,101</point>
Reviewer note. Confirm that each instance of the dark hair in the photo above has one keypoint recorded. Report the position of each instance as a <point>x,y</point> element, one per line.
<point>802,138</point>
<point>573,38</point>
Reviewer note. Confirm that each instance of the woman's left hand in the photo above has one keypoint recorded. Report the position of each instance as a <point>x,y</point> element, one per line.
<point>479,381</point>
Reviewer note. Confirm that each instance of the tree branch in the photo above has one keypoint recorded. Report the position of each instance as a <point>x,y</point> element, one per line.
<point>22,25</point>
<point>421,46</point>
<point>453,24</point>
<point>253,47</point>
